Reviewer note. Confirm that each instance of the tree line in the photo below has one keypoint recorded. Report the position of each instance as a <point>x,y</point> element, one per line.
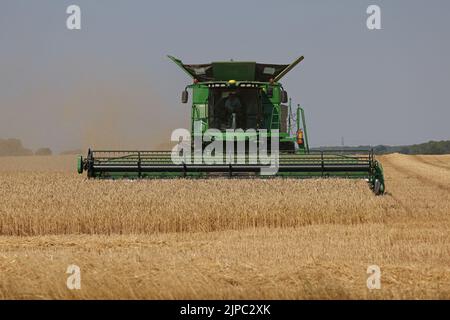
<point>430,147</point>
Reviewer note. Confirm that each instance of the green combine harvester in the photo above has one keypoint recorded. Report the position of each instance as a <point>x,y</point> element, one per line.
<point>248,98</point>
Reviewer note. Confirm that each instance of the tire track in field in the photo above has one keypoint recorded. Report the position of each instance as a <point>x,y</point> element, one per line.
<point>387,163</point>
<point>431,163</point>
<point>413,174</point>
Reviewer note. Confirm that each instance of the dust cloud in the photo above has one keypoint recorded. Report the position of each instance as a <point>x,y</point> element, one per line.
<point>117,113</point>
<point>121,116</point>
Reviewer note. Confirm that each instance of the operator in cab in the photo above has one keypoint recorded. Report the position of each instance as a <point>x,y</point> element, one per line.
<point>233,107</point>
<point>233,104</point>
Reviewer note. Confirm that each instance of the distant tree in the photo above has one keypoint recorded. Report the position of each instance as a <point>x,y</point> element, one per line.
<point>43,152</point>
<point>380,149</point>
<point>13,147</point>
<point>430,147</point>
<point>405,150</point>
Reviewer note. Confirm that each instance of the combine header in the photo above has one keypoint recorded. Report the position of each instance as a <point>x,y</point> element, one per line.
<point>247,99</point>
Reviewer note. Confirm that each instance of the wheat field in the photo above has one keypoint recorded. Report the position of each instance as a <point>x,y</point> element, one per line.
<point>223,239</point>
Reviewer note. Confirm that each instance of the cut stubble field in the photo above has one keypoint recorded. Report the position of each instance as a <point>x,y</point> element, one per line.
<point>223,239</point>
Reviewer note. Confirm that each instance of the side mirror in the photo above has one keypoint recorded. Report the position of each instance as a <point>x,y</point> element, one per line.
<point>269,91</point>
<point>184,96</point>
<point>284,96</point>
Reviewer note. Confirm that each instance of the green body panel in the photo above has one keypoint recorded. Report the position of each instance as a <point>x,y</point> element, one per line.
<point>200,94</point>
<point>234,70</point>
<point>200,106</point>
<point>80,164</point>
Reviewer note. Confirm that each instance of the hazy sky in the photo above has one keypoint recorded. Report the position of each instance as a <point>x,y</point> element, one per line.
<point>111,85</point>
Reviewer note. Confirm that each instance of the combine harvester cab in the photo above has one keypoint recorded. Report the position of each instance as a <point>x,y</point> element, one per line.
<point>248,98</point>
